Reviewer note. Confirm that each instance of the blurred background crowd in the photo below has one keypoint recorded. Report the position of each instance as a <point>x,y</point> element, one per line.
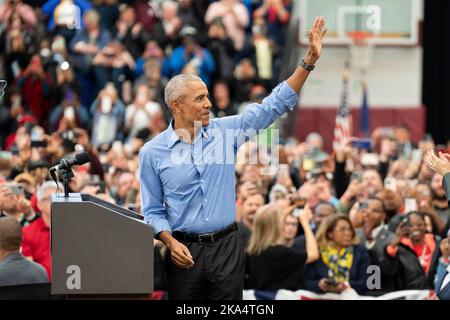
<point>90,76</point>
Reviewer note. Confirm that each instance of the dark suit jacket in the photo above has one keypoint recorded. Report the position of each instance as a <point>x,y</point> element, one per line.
<point>378,255</point>
<point>16,270</point>
<point>443,294</point>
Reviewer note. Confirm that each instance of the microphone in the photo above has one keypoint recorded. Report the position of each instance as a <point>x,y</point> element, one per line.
<point>72,160</point>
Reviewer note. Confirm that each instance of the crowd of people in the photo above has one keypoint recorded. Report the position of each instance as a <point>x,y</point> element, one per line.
<point>90,76</point>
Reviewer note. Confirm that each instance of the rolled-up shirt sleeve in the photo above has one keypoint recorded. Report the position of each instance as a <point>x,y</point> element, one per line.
<point>152,196</point>
<point>259,116</point>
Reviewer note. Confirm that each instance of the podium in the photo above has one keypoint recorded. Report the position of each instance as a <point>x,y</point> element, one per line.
<point>99,248</point>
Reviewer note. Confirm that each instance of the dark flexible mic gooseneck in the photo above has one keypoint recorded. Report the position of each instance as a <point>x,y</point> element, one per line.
<point>64,166</point>
<point>72,160</point>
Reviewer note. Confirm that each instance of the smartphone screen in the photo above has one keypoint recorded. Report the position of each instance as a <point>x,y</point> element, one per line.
<point>69,113</point>
<point>363,205</point>
<point>106,104</point>
<point>117,146</point>
<point>390,183</point>
<point>298,212</point>
<point>410,205</point>
<point>362,144</point>
<point>39,144</point>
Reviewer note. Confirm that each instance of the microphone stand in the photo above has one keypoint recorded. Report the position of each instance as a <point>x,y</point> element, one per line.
<point>64,176</point>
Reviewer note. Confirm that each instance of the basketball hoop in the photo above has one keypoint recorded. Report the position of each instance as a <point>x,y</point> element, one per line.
<point>361,50</point>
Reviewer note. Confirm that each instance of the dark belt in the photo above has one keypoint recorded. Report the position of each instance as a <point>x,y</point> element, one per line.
<point>205,237</point>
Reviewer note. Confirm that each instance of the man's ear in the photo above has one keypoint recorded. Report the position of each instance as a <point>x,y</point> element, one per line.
<point>175,107</point>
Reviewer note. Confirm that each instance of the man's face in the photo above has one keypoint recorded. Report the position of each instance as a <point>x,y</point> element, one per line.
<point>90,22</point>
<point>372,181</point>
<point>436,185</point>
<point>169,12</point>
<point>290,227</point>
<point>322,212</point>
<point>374,214</point>
<point>125,184</point>
<point>250,206</point>
<point>195,105</point>
<point>8,199</point>
<point>129,17</point>
<point>44,203</point>
<point>221,91</point>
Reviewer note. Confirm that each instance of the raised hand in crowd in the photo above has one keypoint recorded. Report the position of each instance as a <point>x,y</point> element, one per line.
<point>312,248</point>
<point>388,149</point>
<point>402,231</point>
<point>352,191</point>
<point>356,215</point>
<point>344,151</point>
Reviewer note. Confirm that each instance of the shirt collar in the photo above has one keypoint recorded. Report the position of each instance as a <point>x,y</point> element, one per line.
<point>173,138</point>
<point>12,256</point>
<point>377,230</point>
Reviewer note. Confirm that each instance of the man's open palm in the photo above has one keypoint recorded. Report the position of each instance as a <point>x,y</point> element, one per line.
<point>315,36</point>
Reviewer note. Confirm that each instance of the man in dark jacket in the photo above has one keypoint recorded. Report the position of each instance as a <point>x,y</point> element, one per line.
<point>441,165</point>
<point>375,236</point>
<point>14,268</point>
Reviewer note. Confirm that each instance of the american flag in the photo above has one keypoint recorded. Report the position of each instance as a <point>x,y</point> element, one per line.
<point>343,126</point>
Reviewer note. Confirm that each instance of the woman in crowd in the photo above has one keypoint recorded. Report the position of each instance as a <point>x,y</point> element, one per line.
<point>413,254</point>
<point>343,263</point>
<point>108,112</point>
<point>271,265</point>
<point>142,113</point>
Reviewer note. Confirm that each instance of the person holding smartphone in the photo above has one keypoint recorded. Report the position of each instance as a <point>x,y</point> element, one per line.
<point>271,263</point>
<point>343,262</point>
<point>412,254</point>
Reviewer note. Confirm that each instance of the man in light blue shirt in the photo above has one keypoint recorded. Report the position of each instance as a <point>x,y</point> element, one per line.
<point>187,176</point>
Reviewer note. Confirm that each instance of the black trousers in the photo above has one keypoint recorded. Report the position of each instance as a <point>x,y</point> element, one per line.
<point>217,274</point>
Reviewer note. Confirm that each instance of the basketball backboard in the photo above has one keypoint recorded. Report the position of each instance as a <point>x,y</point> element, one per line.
<point>392,22</point>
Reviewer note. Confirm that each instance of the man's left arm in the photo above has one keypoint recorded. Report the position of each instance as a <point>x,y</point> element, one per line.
<point>285,96</point>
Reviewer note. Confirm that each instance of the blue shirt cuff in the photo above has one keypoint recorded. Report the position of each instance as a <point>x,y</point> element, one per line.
<point>159,225</point>
<point>287,94</point>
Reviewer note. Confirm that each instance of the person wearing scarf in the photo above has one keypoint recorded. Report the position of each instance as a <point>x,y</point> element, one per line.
<point>343,263</point>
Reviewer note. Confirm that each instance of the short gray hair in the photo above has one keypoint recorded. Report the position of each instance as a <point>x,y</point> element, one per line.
<point>47,185</point>
<point>170,3</point>
<point>176,87</point>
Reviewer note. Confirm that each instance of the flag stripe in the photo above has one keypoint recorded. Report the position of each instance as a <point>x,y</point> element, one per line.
<point>343,124</point>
